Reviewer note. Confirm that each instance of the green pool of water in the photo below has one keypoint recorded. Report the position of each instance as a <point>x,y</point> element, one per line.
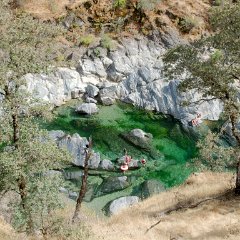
<point>172,147</point>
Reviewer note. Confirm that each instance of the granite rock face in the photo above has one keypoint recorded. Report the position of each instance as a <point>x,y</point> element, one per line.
<point>132,73</point>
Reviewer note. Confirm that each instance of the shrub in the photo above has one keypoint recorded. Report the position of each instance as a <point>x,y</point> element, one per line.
<point>119,3</point>
<point>107,42</point>
<point>217,2</point>
<point>187,24</point>
<point>87,39</point>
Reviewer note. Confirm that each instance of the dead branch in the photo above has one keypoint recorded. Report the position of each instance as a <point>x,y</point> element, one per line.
<point>179,207</point>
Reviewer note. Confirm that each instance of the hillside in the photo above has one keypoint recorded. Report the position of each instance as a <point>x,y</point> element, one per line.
<point>213,219</point>
<point>188,17</point>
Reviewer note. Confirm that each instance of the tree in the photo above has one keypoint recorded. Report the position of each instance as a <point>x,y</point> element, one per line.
<point>26,152</point>
<point>83,189</point>
<point>212,66</point>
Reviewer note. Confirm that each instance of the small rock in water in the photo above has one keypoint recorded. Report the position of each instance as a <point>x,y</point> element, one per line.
<point>112,184</point>
<point>87,108</point>
<point>107,101</point>
<point>139,138</point>
<point>106,165</point>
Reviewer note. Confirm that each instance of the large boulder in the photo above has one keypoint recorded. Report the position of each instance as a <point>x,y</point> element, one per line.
<point>113,184</point>
<point>108,93</point>
<point>92,91</point>
<point>76,145</point>
<point>107,101</point>
<point>122,203</point>
<point>87,108</point>
<point>139,138</point>
<point>150,188</point>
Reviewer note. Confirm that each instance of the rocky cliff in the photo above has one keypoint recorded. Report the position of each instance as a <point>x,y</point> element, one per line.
<point>131,72</point>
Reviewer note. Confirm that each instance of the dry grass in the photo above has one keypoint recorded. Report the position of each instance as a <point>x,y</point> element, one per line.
<point>216,219</point>
<point>7,233</point>
<point>168,13</point>
<point>47,9</point>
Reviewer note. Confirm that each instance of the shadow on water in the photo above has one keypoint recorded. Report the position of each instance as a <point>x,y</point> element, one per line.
<point>174,146</point>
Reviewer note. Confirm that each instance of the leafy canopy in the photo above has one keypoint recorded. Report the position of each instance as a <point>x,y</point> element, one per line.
<point>26,152</point>
<point>211,66</point>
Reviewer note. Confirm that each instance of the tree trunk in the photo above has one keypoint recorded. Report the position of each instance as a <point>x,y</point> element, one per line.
<point>237,188</point>
<point>233,119</point>
<point>23,195</point>
<point>15,122</point>
<point>83,189</point>
<point>16,130</point>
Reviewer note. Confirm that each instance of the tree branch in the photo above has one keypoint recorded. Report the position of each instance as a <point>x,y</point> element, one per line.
<point>203,100</point>
<point>178,207</point>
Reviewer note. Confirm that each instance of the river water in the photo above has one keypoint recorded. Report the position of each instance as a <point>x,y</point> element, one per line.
<point>172,147</point>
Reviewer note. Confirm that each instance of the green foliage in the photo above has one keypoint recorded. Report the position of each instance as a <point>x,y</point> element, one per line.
<point>212,64</point>
<point>217,2</point>
<point>26,45</point>
<point>212,67</point>
<point>214,156</point>
<point>107,42</point>
<point>87,39</point>
<point>119,3</point>
<point>42,202</point>
<point>187,24</point>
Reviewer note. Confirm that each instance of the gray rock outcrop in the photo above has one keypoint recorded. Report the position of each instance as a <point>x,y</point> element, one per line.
<point>122,203</point>
<point>76,145</point>
<point>132,73</point>
<point>92,91</point>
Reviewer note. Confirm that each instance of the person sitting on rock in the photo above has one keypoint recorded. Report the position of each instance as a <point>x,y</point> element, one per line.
<point>128,159</point>
<point>196,120</point>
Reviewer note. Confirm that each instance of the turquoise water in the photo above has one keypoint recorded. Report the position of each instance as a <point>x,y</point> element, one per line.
<point>171,147</point>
